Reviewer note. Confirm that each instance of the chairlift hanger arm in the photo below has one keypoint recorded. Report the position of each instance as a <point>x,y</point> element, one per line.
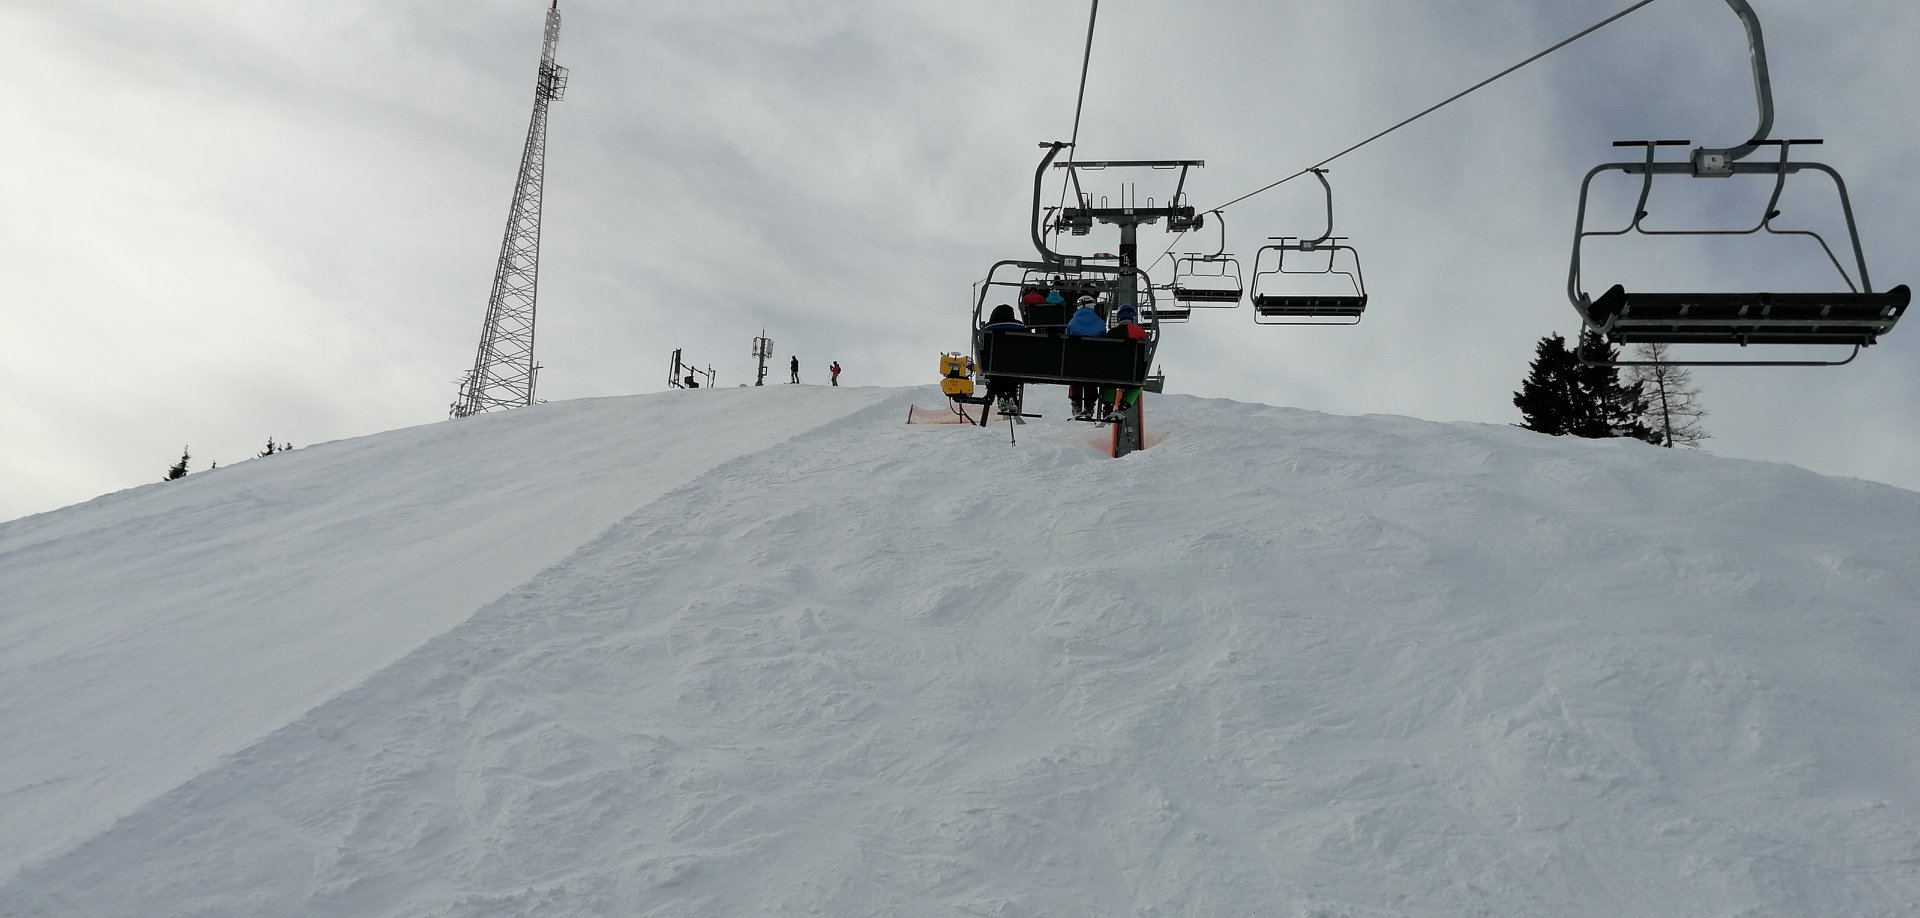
<point>1718,161</point>
<point>1321,174</point>
<point>1039,177</point>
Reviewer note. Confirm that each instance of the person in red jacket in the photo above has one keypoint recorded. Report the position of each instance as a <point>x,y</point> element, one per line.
<point>1128,329</point>
<point>834,372</point>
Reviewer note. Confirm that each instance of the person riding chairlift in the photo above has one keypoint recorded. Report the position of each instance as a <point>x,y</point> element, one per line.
<point>1000,390</point>
<point>1127,329</point>
<point>1003,319</point>
<point>1085,324</point>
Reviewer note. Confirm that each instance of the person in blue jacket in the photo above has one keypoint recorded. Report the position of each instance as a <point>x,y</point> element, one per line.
<point>1085,324</point>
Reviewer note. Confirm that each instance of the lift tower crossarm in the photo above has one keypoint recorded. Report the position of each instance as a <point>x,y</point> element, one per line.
<point>1174,209</point>
<point>1137,163</point>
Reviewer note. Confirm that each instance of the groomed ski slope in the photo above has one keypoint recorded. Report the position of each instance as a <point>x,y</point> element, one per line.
<point>771,651</point>
<point>146,633</point>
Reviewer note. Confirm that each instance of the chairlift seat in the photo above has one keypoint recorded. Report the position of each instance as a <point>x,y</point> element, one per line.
<point>1206,294</point>
<point>1747,318</point>
<point>1032,357</point>
<point>1302,306</point>
<point>1166,315</point>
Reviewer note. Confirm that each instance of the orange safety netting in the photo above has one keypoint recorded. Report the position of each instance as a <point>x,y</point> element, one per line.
<point>945,415</point>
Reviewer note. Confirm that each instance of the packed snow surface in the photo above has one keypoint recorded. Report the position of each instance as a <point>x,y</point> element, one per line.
<point>772,651</point>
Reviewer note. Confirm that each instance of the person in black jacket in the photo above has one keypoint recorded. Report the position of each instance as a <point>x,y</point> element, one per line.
<point>1000,390</point>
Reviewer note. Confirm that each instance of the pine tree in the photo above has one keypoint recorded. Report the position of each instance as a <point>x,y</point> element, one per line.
<point>179,469</point>
<point>1615,408</point>
<point>1673,409</point>
<point>270,450</point>
<point>1549,399</point>
<point>1563,397</point>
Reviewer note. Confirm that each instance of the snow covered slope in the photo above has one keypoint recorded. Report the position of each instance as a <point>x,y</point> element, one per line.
<point>147,633</point>
<point>771,651</point>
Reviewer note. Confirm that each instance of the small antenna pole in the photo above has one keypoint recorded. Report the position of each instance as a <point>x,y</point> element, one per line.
<point>762,349</point>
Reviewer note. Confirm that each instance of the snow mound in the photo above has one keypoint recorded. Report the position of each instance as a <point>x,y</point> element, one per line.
<point>776,652</point>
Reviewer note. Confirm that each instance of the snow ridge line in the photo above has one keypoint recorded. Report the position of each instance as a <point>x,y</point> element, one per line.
<point>885,408</point>
<point>441,696</point>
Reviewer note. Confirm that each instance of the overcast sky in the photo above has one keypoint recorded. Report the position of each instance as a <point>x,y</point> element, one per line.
<point>222,222</point>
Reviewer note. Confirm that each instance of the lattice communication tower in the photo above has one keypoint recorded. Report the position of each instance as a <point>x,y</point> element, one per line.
<point>503,373</point>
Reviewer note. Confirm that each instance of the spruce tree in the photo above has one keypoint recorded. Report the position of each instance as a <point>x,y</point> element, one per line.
<point>1563,397</point>
<point>179,469</point>
<point>1614,408</point>
<point>270,450</point>
<point>1550,399</point>
<point>1673,411</point>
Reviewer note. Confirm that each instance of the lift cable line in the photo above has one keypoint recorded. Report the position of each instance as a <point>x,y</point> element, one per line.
<point>1448,101</point>
<point>1431,109</point>
<point>1086,59</point>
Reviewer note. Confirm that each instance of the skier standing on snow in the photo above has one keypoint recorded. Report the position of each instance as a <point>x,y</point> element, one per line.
<point>834,372</point>
<point>793,367</point>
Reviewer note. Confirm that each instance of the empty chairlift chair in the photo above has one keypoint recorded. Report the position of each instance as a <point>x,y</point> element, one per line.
<point>1300,281</point>
<point>1206,281</point>
<point>1339,293</point>
<point>1855,317</point>
<point>1165,311</point>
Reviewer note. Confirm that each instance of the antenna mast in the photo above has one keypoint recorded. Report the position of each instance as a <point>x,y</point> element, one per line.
<point>503,373</point>
<point>762,349</point>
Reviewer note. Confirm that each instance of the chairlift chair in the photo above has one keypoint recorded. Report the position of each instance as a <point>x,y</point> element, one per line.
<point>1854,318</point>
<point>1166,311</point>
<point>1044,356</point>
<point>1207,281</point>
<point>1281,298</point>
<point>1277,300</point>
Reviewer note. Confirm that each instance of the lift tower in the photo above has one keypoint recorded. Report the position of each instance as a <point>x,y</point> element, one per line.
<point>503,368</point>
<point>1128,213</point>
